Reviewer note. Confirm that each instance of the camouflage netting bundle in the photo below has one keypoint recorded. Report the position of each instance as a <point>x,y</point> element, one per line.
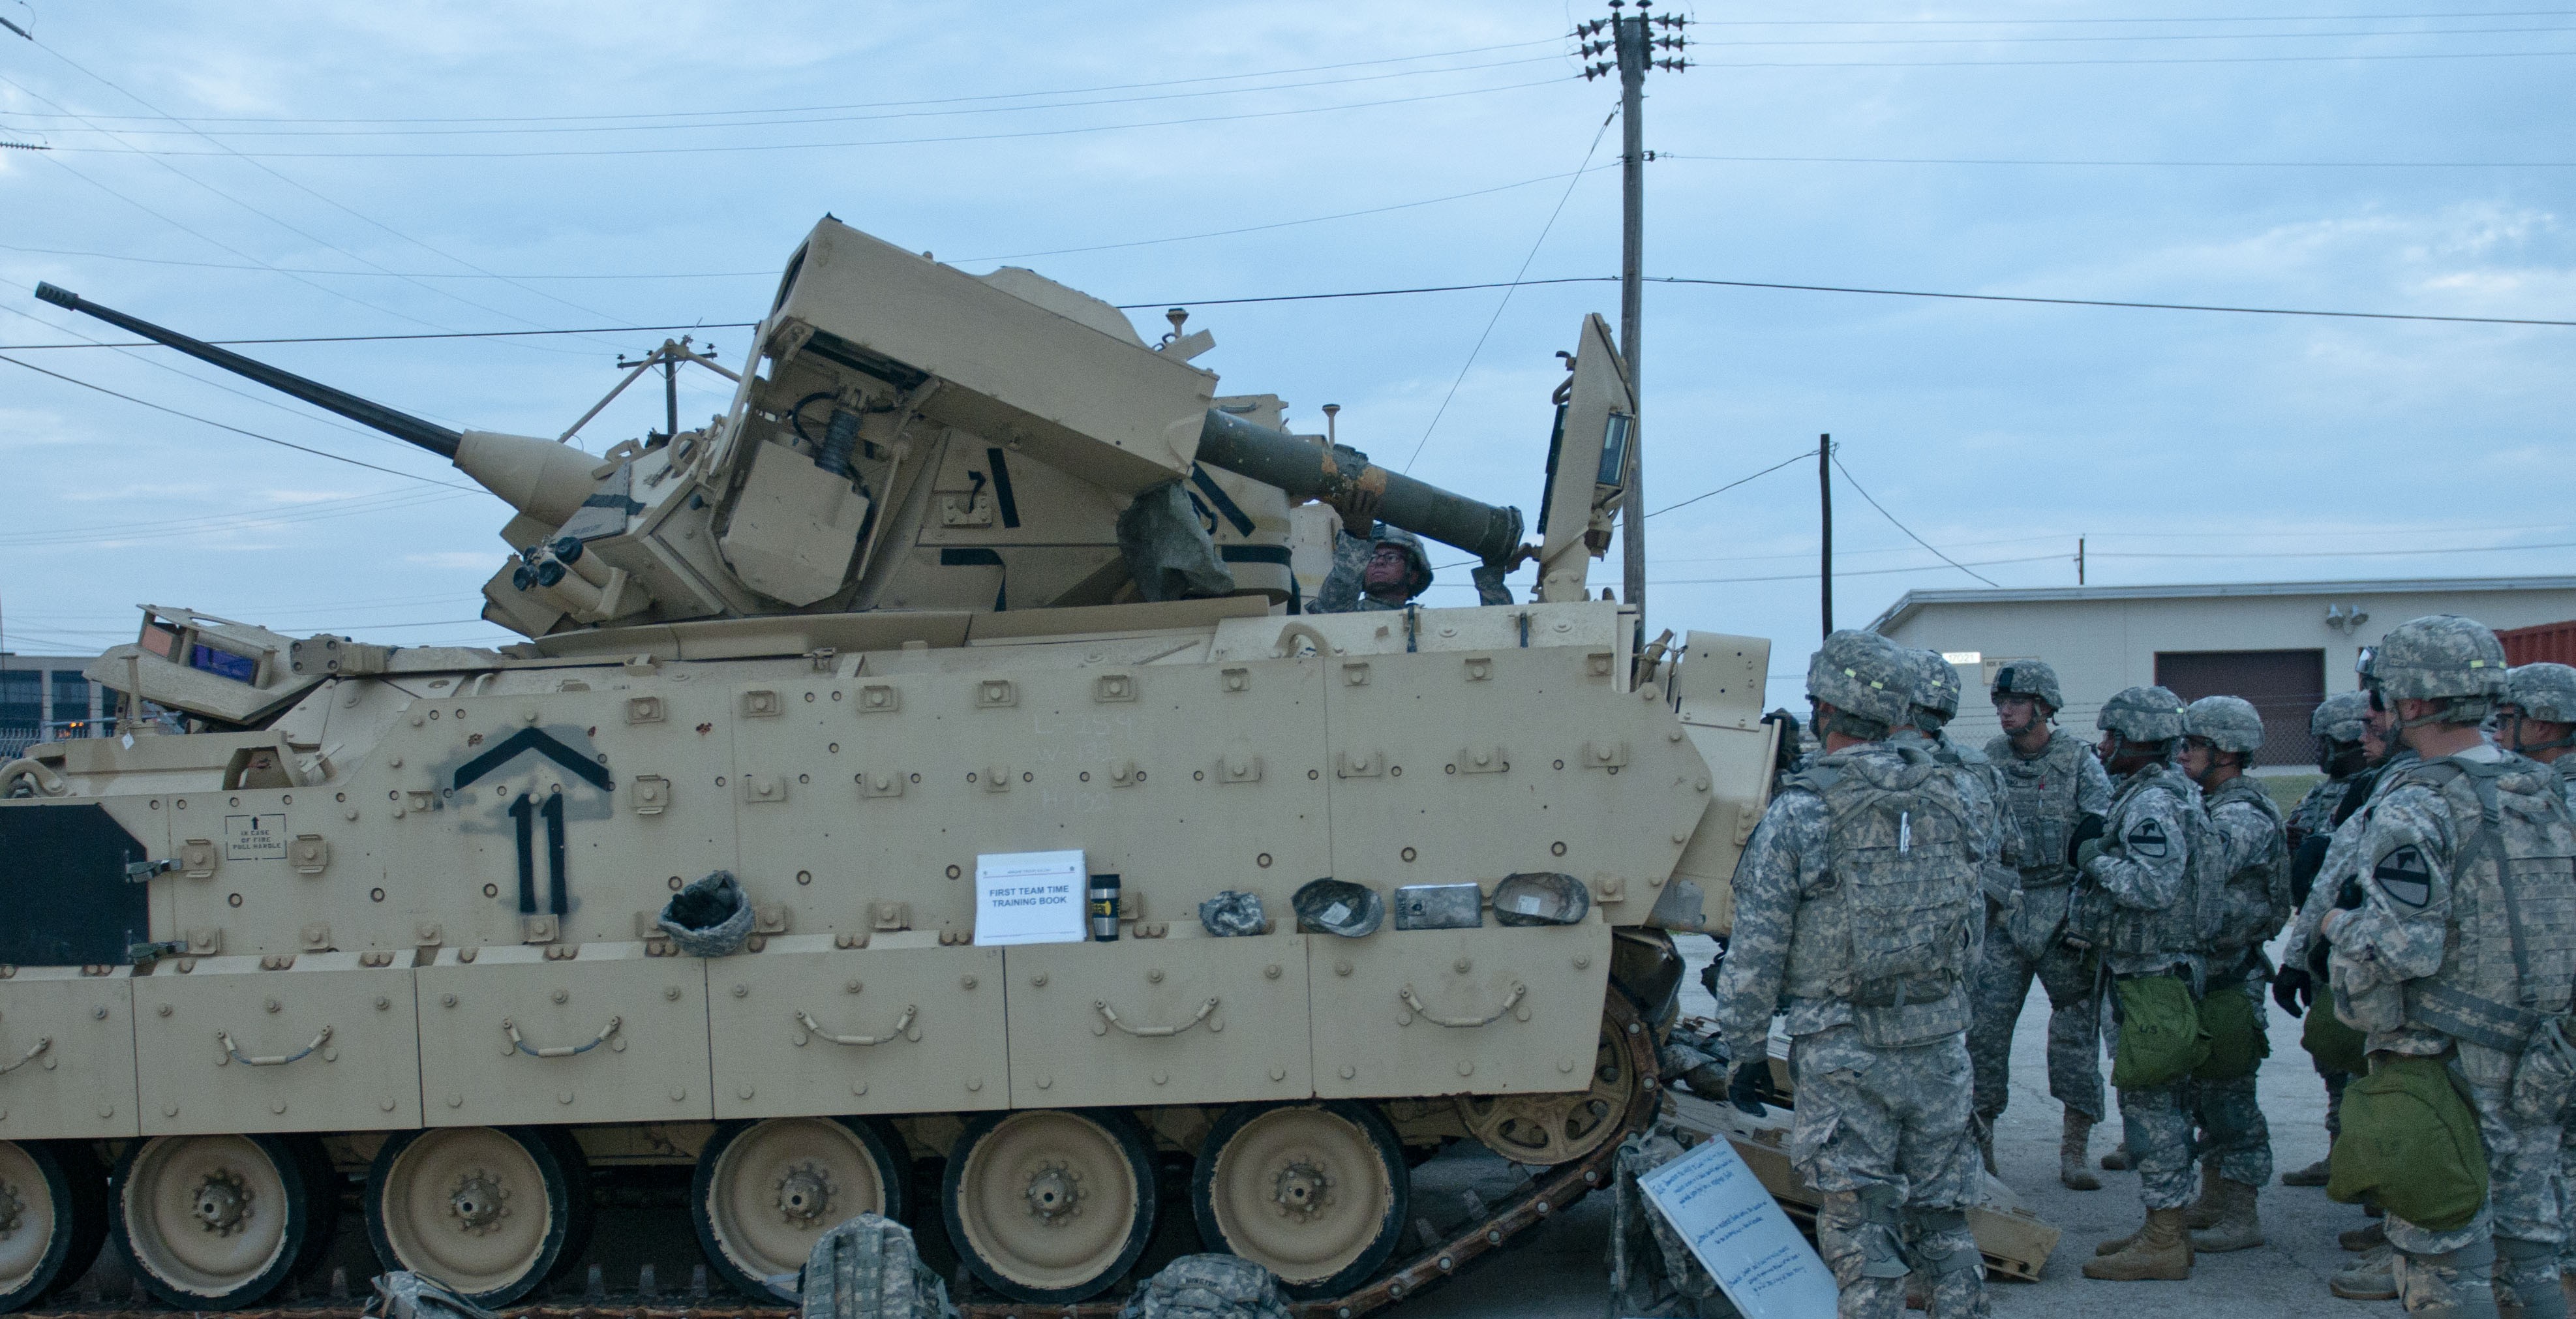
<point>1232,914</point>
<point>406,1295</point>
<point>709,918</point>
<point>1206,1287</point>
<point>1168,551</point>
<point>1653,1274</point>
<point>867,1268</point>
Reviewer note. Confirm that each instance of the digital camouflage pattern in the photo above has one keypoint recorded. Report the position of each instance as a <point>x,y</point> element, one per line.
<point>2465,939</point>
<point>2235,1138</point>
<point>2436,657</point>
<point>1208,1287</point>
<point>2316,807</point>
<point>867,1268</point>
<point>2341,858</point>
<point>2252,838</point>
<point>1341,593</point>
<point>2043,797</point>
<point>2544,691</point>
<point>2137,901</point>
<point>1884,1091</point>
<point>1653,1274</point>
<point>1936,689</point>
<point>1864,675</point>
<point>2032,678</point>
<point>2230,723</point>
<point>2142,714</point>
<point>2341,717</point>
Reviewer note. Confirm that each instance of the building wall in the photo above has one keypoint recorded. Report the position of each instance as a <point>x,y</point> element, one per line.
<point>44,698</point>
<point>2099,646</point>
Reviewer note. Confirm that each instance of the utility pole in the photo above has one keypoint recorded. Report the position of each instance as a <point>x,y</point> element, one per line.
<point>1825,508</point>
<point>1631,46</point>
<point>2079,561</point>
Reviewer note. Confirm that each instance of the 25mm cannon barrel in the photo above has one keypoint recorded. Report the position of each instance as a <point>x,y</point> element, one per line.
<point>1307,470</point>
<point>401,425</point>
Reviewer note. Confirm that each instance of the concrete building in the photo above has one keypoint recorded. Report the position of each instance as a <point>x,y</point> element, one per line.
<point>44,698</point>
<point>2281,645</point>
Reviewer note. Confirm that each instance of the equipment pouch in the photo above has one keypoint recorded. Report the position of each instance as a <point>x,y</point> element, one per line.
<point>2161,1036</point>
<point>2546,1076</point>
<point>2410,1141</point>
<point>2335,1045</point>
<point>2237,1043</point>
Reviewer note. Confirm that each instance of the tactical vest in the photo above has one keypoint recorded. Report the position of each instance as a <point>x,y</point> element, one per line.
<point>1894,920</point>
<point>2182,929</point>
<point>2315,812</point>
<point>2509,955</point>
<point>2256,899</point>
<point>2037,797</point>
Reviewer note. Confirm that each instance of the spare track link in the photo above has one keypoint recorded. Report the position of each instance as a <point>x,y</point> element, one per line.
<point>1539,1198</point>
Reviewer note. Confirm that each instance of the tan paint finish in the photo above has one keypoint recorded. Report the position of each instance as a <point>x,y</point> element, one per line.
<point>80,1084</point>
<point>364,1074</point>
<point>1536,991</point>
<point>653,1068</point>
<point>1166,1042</point>
<point>951,1054</point>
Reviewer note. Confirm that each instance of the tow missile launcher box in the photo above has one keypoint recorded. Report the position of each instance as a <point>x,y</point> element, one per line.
<point>750,862</point>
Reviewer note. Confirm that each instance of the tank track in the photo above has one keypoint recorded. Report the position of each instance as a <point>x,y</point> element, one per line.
<point>1538,1199</point>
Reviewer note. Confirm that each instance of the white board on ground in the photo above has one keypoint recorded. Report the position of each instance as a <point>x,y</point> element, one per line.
<point>1029,897</point>
<point>1732,1224</point>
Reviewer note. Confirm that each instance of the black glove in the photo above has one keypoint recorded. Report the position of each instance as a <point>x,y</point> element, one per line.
<point>1708,973</point>
<point>2311,858</point>
<point>2349,899</point>
<point>2086,830</point>
<point>1751,1081</point>
<point>2294,989</point>
<point>1786,758</point>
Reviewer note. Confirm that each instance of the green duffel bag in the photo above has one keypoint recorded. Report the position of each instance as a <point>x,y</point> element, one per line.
<point>2410,1142</point>
<point>2335,1044</point>
<point>2161,1037</point>
<point>2237,1043</point>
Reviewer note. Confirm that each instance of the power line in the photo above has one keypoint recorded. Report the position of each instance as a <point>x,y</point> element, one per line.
<point>2165,18</point>
<point>397,338</point>
<point>1891,521</point>
<point>2133,36</point>
<point>2108,302</point>
<point>2132,164</point>
<point>730,147</point>
<point>1509,289</point>
<point>2190,59</point>
<point>1734,483</point>
<point>270,439</point>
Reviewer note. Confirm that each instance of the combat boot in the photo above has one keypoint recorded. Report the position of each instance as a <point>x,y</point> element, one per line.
<point>2370,1278</point>
<point>2116,1159</point>
<point>1986,1148</point>
<point>2205,1211</point>
<point>2315,1174</point>
<point>2161,1252</point>
<point>2238,1227</point>
<point>2368,1236</point>
<point>2071,1141</point>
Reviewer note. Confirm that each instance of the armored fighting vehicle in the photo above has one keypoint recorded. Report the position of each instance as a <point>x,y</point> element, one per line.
<point>970,585</point>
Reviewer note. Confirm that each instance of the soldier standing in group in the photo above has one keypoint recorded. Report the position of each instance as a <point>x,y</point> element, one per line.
<point>2339,724</point>
<point>2537,718</point>
<point>1936,703</point>
<point>2050,781</point>
<point>2220,736</point>
<point>1856,913</point>
<point>2454,948</point>
<point>2139,904</point>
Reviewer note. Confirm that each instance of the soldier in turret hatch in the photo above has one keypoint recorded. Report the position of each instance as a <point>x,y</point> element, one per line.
<point>1376,566</point>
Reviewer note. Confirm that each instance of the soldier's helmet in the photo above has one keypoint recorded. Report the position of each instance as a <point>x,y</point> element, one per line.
<point>2341,717</point>
<point>2433,658</point>
<point>2546,692</point>
<point>2229,722</point>
<point>2142,714</point>
<point>1863,675</point>
<point>1411,544</point>
<point>2031,678</point>
<point>1936,685</point>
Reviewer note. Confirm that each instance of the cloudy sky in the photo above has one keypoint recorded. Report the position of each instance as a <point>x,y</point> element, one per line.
<point>296,169</point>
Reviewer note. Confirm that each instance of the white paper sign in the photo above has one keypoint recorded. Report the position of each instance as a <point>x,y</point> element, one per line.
<point>1728,1220</point>
<point>1030,897</point>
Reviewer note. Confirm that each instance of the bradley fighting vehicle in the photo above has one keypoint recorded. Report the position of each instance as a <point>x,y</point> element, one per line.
<point>969,577</point>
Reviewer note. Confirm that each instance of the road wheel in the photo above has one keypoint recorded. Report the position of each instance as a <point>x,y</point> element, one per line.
<point>1314,1192</point>
<point>213,1222</point>
<point>766,1191</point>
<point>1546,1130</point>
<point>53,1218</point>
<point>488,1212</point>
<point>1050,1205</point>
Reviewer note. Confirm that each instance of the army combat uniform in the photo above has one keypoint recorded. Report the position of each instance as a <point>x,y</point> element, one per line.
<point>2138,903</point>
<point>1856,915</point>
<point>2246,829</point>
<point>2043,797</point>
<point>1341,593</point>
